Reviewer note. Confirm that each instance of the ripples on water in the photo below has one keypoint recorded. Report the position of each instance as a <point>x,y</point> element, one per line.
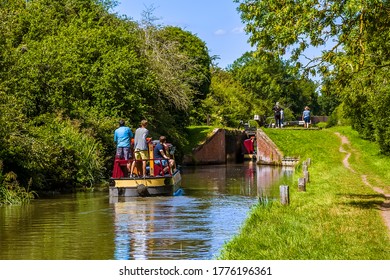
<point>184,227</point>
<point>215,202</point>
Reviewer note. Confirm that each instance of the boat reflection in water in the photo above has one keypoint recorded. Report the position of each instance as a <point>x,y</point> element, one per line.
<point>266,179</point>
<point>214,205</point>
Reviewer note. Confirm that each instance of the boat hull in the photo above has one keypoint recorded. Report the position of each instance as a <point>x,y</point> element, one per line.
<point>250,157</point>
<point>149,186</point>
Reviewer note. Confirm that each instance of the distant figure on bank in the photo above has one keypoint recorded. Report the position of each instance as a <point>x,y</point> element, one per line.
<point>122,139</point>
<point>281,117</point>
<point>141,151</point>
<point>306,117</point>
<point>161,155</point>
<point>277,110</point>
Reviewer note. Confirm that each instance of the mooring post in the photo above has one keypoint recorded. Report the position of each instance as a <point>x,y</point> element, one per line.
<point>284,195</point>
<point>301,184</point>
<point>306,175</point>
<point>304,166</point>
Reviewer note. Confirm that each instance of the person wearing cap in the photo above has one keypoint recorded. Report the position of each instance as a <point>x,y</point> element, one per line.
<point>306,117</point>
<point>277,115</point>
<point>122,139</point>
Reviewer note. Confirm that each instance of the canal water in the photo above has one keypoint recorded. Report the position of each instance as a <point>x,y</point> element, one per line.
<point>193,226</point>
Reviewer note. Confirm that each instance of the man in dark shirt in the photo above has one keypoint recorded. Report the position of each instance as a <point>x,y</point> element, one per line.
<point>161,157</point>
<point>277,115</point>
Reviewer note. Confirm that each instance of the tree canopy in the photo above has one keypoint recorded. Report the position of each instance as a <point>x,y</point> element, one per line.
<point>355,60</point>
<point>69,70</point>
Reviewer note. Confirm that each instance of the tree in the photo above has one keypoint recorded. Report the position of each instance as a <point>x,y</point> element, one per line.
<point>228,102</point>
<point>180,63</point>
<point>356,58</point>
<point>273,80</point>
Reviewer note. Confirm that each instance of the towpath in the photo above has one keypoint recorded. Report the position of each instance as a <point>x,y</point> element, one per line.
<point>385,206</point>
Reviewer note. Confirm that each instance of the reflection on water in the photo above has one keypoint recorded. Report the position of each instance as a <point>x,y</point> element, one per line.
<point>215,202</point>
<point>177,227</point>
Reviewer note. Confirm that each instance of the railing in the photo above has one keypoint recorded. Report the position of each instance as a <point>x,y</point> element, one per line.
<point>154,169</point>
<point>120,165</point>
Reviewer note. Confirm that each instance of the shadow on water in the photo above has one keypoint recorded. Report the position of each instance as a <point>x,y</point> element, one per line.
<point>215,202</point>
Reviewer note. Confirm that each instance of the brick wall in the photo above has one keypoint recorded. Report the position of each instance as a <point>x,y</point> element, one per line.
<point>223,146</point>
<point>267,151</point>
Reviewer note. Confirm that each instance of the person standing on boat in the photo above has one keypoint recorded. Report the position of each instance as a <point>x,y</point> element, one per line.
<point>160,154</point>
<point>141,151</point>
<point>122,139</point>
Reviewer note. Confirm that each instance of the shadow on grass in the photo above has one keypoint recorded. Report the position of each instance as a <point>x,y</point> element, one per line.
<point>364,201</point>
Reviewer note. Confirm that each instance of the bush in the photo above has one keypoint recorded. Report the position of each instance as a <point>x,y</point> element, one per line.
<point>10,190</point>
<point>57,154</point>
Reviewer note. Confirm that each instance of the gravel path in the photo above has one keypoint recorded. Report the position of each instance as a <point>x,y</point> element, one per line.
<point>385,206</point>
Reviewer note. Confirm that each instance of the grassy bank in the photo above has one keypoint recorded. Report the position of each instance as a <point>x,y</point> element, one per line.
<point>196,135</point>
<point>336,218</point>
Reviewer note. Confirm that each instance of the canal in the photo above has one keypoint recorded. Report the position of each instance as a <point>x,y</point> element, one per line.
<point>193,226</point>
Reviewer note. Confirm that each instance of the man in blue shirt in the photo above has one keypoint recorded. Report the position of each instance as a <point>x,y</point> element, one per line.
<point>122,138</point>
<point>306,117</point>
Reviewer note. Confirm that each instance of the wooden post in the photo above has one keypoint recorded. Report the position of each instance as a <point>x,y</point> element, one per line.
<point>284,195</point>
<point>308,162</point>
<point>306,176</point>
<point>304,166</point>
<point>301,185</point>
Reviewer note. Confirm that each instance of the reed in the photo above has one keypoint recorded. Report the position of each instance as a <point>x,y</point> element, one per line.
<point>336,218</point>
<point>10,190</point>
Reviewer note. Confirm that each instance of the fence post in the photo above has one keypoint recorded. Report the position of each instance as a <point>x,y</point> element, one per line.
<point>301,184</point>
<point>306,175</point>
<point>284,195</point>
<point>304,166</point>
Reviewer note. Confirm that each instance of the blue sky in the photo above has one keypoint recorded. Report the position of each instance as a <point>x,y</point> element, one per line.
<point>216,22</point>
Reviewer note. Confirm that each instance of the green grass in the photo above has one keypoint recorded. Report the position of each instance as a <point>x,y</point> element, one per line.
<point>196,135</point>
<point>336,218</point>
<point>366,159</point>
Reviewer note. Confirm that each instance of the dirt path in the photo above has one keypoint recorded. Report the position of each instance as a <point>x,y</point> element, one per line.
<point>385,206</point>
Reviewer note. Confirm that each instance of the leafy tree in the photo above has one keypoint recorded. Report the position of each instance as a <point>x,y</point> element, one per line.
<point>355,35</point>
<point>70,69</point>
<point>273,80</point>
<point>228,102</point>
<point>180,63</point>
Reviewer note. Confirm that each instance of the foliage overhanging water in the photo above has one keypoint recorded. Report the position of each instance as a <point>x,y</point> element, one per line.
<point>84,226</point>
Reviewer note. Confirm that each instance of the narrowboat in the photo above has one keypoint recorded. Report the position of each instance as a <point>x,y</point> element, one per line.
<point>154,183</point>
<point>249,148</point>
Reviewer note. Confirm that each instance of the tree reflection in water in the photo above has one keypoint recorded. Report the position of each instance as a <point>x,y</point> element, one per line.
<point>215,202</point>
